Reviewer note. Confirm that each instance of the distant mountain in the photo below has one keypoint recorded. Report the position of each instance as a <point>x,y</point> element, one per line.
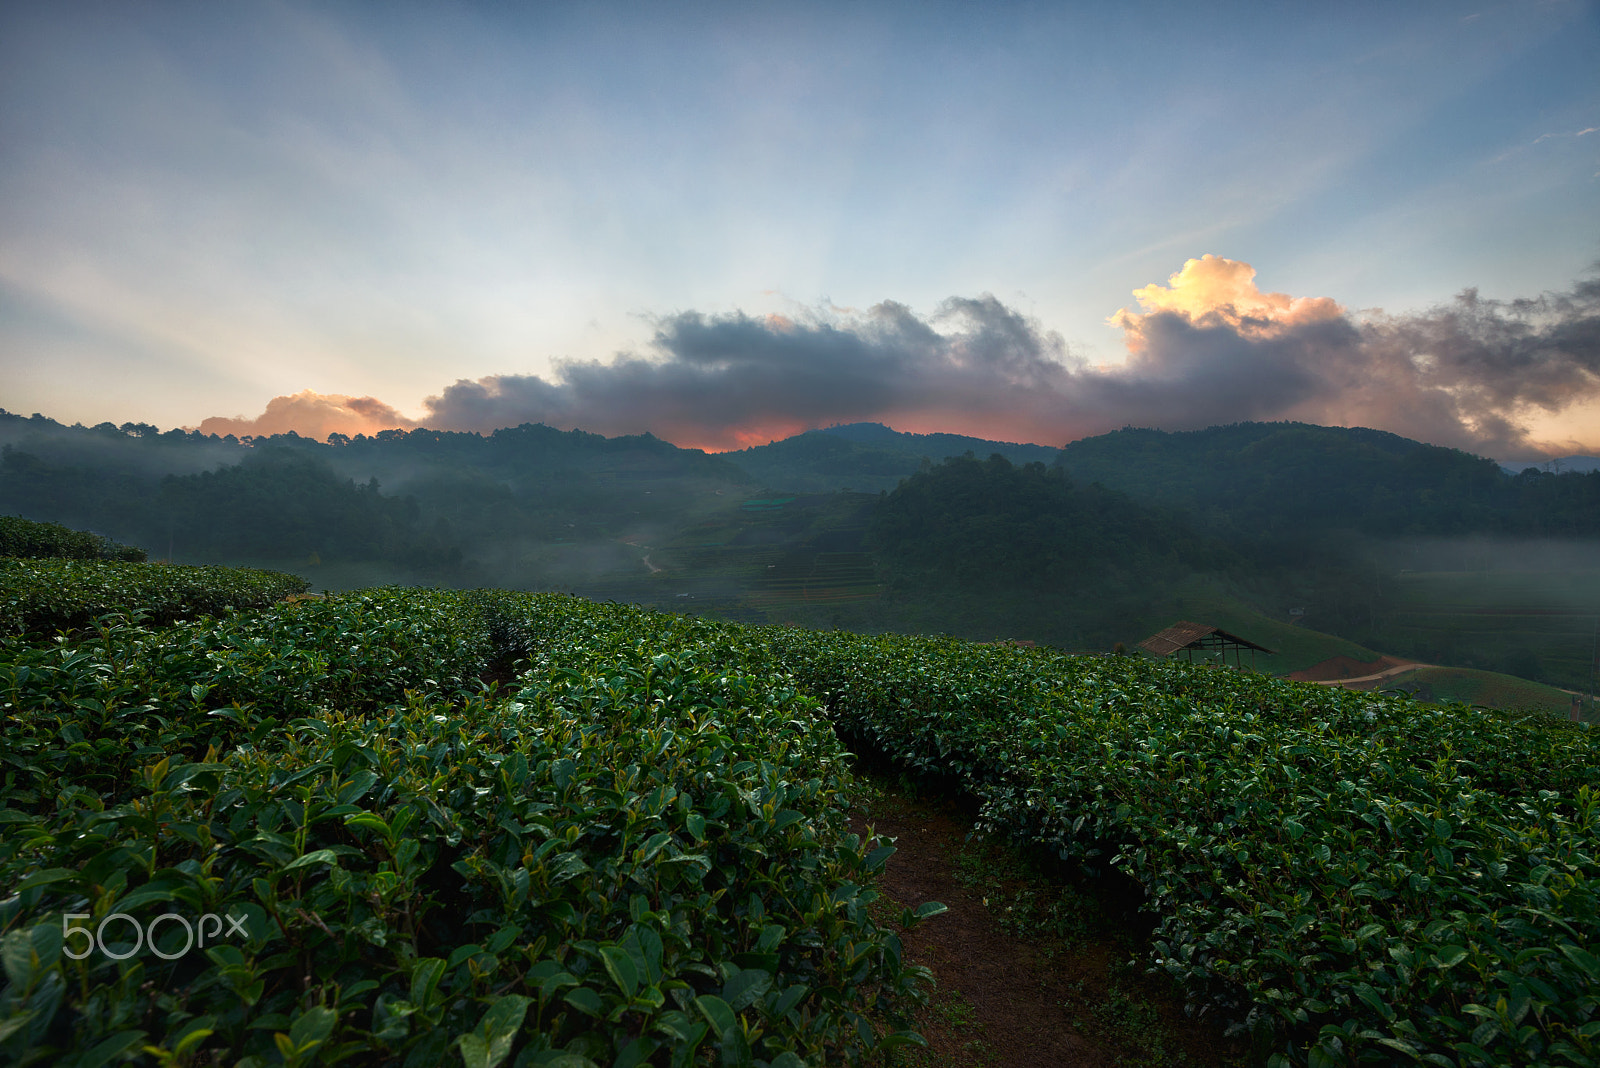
<point>979,546</point>
<point>988,522</point>
<point>1266,481</point>
<point>867,457</point>
<point>941,446</point>
<point>1287,525</point>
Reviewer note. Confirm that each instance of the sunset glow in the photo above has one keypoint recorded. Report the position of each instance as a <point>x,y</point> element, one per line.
<point>1223,291</point>
<point>723,224</point>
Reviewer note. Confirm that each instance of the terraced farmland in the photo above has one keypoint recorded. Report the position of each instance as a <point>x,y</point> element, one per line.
<point>638,851</point>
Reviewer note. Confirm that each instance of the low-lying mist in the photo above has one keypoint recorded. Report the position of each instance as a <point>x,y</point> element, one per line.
<point>1487,553</point>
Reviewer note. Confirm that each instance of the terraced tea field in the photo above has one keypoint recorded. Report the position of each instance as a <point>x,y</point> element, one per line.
<point>637,851</point>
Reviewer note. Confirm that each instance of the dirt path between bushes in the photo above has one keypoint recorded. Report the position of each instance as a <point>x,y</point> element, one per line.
<point>1006,1000</point>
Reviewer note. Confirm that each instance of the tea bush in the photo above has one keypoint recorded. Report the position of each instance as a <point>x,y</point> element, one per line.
<point>635,856</point>
<point>636,853</point>
<point>44,596</point>
<point>1357,878</point>
<point>30,540</point>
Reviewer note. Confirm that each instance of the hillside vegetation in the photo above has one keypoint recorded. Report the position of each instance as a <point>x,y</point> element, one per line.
<point>1359,540</point>
<point>866,457</point>
<point>1290,479</point>
<point>636,855</point>
<point>24,539</point>
<point>636,851</point>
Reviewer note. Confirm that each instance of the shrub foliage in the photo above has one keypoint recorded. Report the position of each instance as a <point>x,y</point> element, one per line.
<point>42,597</point>
<point>28,540</point>
<point>637,852</point>
<point>634,856</point>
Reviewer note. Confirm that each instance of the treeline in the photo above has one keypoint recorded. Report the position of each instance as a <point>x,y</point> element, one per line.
<point>273,505</point>
<point>865,457</point>
<point>1283,484</point>
<point>1284,480</point>
<point>446,499</point>
<point>974,546</point>
<point>1077,551</point>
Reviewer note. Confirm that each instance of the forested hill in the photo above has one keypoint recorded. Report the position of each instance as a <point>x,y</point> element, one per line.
<point>866,457</point>
<point>973,546</point>
<point>511,498</point>
<point>275,505</point>
<point>989,522</point>
<point>1290,479</point>
<point>421,499</point>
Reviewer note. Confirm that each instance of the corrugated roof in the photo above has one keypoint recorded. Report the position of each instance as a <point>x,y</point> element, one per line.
<point>1183,635</point>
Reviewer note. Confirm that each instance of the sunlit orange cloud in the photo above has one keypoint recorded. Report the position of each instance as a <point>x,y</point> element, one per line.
<point>314,415</point>
<point>1214,290</point>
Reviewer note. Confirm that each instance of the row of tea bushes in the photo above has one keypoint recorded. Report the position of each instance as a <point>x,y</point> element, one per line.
<point>634,856</point>
<point>90,711</point>
<point>1359,879</point>
<point>1355,878</point>
<point>26,539</point>
<point>42,597</point>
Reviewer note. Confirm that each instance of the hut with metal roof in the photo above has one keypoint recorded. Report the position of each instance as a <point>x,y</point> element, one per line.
<point>1188,637</point>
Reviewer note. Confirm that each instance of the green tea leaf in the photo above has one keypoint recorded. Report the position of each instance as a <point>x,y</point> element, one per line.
<point>619,965</point>
<point>744,989</point>
<point>320,856</point>
<point>487,1045</point>
<point>717,1013</point>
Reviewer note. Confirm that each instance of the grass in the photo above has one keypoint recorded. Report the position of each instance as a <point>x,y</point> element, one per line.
<point>1487,688</point>
<point>1530,624</point>
<point>1202,600</point>
<point>956,1014</point>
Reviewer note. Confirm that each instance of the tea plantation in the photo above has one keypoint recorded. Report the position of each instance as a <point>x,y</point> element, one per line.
<point>636,851</point>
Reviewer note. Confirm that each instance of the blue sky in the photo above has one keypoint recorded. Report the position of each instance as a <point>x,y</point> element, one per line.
<point>205,207</point>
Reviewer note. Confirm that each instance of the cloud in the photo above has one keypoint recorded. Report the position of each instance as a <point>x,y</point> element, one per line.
<point>314,415</point>
<point>725,381</point>
<point>1468,374</point>
<point>1206,347</point>
<point>1216,291</point>
<point>1474,372</point>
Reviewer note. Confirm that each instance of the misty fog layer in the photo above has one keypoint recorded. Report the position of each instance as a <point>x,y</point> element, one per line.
<point>1307,534</point>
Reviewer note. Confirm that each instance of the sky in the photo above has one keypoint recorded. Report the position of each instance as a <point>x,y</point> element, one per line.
<point>726,223</point>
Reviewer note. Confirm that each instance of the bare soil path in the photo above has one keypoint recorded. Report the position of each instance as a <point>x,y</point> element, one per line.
<point>1386,673</point>
<point>1009,994</point>
<point>1343,670</point>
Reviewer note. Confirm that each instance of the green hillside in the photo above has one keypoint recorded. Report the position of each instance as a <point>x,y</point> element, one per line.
<point>1203,599</point>
<point>537,830</point>
<point>866,457</point>
<point>1379,543</point>
<point>1489,689</point>
<point>1294,480</point>
<point>1535,624</point>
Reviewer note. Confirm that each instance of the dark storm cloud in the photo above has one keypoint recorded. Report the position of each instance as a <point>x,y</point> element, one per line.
<point>1191,373</point>
<point>1206,348</point>
<point>1476,368</point>
<point>718,380</point>
<point>1205,352</point>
